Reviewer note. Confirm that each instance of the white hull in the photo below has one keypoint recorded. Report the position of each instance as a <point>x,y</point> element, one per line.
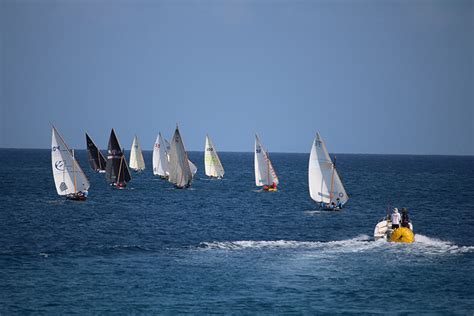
<point>383,229</point>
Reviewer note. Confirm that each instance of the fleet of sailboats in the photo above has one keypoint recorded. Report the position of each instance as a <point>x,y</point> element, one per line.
<point>69,178</point>
<point>96,158</point>
<point>136,156</point>
<point>325,185</point>
<point>171,162</point>
<point>212,163</point>
<point>117,172</point>
<point>265,175</point>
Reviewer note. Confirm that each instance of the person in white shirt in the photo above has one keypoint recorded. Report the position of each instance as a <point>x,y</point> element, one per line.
<point>395,219</point>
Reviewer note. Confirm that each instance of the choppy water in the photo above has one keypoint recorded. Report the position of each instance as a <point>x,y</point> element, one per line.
<point>223,247</point>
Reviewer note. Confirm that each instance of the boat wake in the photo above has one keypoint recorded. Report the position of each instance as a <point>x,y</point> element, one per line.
<point>361,243</point>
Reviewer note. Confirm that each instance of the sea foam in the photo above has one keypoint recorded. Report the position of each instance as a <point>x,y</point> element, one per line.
<point>361,243</point>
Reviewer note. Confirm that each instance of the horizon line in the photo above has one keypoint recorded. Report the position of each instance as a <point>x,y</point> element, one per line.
<point>276,152</point>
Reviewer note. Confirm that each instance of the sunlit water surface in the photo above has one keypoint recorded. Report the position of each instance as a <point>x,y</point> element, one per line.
<point>223,246</point>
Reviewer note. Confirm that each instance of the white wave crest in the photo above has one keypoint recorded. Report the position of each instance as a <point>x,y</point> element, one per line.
<point>274,244</point>
<point>434,245</point>
<point>423,245</point>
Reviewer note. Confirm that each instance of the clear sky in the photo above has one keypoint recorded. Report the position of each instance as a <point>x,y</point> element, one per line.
<point>370,76</point>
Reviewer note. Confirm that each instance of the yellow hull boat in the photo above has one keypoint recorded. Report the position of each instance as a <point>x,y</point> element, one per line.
<point>402,234</point>
<point>384,230</point>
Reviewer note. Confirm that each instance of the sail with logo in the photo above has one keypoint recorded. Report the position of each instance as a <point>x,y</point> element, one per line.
<point>325,185</point>
<point>160,157</point>
<point>265,174</point>
<point>136,156</point>
<point>96,158</point>
<point>213,165</point>
<point>117,172</point>
<point>69,178</point>
<point>180,173</point>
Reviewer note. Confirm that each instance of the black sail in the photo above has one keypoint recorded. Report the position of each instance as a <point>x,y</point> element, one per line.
<point>117,169</point>
<point>96,158</point>
<point>125,175</point>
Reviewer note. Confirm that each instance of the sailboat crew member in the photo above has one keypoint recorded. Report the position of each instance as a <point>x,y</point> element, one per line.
<point>395,219</point>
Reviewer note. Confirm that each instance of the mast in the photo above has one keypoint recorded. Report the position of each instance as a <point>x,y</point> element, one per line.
<point>331,190</point>
<point>98,158</point>
<point>268,168</point>
<point>74,170</point>
<point>120,169</point>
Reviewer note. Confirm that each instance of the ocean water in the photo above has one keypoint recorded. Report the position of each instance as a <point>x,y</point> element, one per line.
<point>225,247</point>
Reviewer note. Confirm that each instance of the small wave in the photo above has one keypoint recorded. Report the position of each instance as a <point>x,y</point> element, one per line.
<point>127,248</point>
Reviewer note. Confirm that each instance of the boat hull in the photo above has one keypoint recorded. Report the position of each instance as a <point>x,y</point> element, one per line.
<point>76,197</point>
<point>332,209</point>
<point>266,189</point>
<point>119,186</point>
<point>402,234</point>
<point>383,230</point>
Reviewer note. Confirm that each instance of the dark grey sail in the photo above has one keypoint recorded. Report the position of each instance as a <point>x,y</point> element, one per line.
<point>96,158</point>
<point>117,172</point>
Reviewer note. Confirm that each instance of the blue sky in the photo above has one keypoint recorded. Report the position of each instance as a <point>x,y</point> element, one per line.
<point>370,76</point>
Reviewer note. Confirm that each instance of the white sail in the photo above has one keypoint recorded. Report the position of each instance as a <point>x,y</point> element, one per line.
<point>212,162</point>
<point>160,157</point>
<point>168,148</point>
<point>179,168</point>
<point>136,156</point>
<point>192,167</point>
<point>68,175</point>
<point>264,172</point>
<point>324,182</point>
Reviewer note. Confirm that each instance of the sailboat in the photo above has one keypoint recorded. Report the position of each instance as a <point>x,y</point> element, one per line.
<point>69,178</point>
<point>160,157</point>
<point>117,172</point>
<point>180,173</point>
<point>96,158</point>
<point>325,186</point>
<point>192,166</point>
<point>213,165</point>
<point>265,174</point>
<point>136,156</point>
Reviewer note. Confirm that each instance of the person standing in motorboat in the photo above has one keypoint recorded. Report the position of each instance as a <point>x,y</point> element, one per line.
<point>405,219</point>
<point>395,219</point>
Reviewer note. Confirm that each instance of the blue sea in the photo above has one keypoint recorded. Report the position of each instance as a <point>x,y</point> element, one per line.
<point>224,247</point>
